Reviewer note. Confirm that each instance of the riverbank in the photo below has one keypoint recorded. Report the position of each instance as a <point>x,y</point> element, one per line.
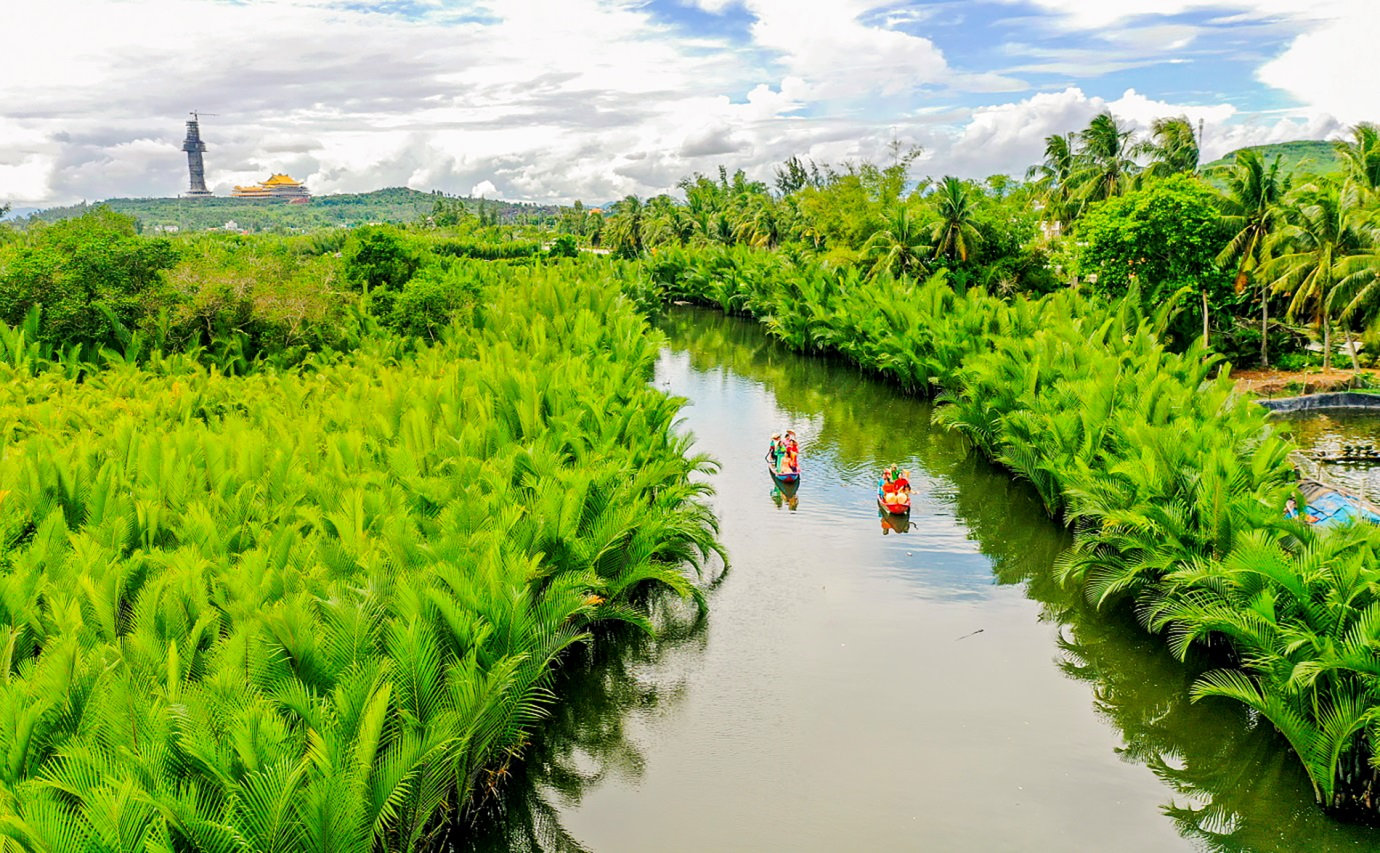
<point>1294,383</point>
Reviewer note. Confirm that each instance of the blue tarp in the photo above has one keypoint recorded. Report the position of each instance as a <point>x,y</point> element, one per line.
<point>1333,510</point>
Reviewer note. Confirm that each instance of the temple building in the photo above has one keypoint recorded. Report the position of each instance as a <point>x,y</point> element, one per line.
<point>277,186</point>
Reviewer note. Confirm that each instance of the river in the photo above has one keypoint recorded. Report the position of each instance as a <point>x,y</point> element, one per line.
<point>854,687</point>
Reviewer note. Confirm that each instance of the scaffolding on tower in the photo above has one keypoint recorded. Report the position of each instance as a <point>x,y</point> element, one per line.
<point>196,167</point>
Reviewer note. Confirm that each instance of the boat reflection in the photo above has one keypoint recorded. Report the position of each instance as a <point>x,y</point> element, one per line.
<point>785,494</point>
<point>893,523</point>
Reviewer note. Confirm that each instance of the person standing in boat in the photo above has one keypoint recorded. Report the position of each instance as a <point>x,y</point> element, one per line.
<point>792,452</point>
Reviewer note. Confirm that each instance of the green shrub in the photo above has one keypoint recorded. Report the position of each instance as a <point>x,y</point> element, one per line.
<point>564,246</point>
<point>380,256</point>
<point>93,276</point>
<point>441,294</point>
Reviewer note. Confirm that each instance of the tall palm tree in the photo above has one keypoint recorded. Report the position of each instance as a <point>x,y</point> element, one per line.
<point>665,223</point>
<point>1314,251</point>
<point>900,246</point>
<point>1054,177</point>
<point>1106,167</point>
<point>955,235</point>
<point>623,231</point>
<point>1361,157</point>
<point>1251,207</point>
<point>759,222</point>
<point>1172,147</point>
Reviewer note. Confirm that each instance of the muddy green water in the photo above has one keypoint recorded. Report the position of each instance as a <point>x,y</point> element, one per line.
<point>1325,434</point>
<point>856,687</point>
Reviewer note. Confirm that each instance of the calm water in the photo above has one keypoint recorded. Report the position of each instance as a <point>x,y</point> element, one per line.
<point>1326,433</point>
<point>858,688</point>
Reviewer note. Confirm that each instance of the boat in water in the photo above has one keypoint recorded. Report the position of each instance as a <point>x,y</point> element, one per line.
<point>1328,506</point>
<point>783,458</point>
<point>893,503</point>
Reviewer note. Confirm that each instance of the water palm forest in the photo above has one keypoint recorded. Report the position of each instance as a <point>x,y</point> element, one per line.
<point>454,534</point>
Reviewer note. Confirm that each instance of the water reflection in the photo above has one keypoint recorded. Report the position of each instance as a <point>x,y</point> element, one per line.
<point>893,523</point>
<point>976,543</point>
<point>1341,440</point>
<point>585,741</point>
<point>785,494</point>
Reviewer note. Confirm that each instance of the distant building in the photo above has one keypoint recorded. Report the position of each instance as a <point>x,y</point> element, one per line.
<point>277,186</point>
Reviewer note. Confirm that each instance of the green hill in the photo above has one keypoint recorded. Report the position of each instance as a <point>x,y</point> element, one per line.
<point>396,204</point>
<point>1313,156</point>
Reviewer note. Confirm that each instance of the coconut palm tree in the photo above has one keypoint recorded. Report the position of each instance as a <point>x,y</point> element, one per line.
<point>759,222</point>
<point>1312,253</point>
<point>1361,157</point>
<point>955,236</point>
<point>1053,179</point>
<point>666,223</point>
<point>901,246</point>
<point>623,233</point>
<point>1172,147</point>
<point>1105,166</point>
<point>1252,207</point>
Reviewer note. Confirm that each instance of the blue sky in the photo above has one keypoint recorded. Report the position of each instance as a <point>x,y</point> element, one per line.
<point>551,100</point>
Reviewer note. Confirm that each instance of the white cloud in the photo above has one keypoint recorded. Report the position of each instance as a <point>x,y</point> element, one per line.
<point>592,99</point>
<point>1332,68</point>
<point>1323,67</point>
<point>1099,14</point>
<point>484,189</point>
<point>1009,137</point>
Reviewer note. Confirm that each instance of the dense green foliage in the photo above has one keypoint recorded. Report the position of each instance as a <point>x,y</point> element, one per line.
<point>318,608</point>
<point>91,275</point>
<point>395,205</point>
<point>1167,236</point>
<point>1106,204</point>
<point>92,282</point>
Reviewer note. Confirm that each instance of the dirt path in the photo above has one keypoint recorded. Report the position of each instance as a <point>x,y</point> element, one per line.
<point>1292,383</point>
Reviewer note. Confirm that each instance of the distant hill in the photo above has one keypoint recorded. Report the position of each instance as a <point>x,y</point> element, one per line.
<point>1313,156</point>
<point>396,204</point>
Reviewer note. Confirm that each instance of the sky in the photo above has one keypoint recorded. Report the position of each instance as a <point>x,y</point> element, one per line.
<point>553,100</point>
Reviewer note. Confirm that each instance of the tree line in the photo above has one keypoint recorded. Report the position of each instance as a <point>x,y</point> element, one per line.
<point>1273,258</point>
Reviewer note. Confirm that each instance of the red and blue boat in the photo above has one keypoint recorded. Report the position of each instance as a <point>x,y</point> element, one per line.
<point>783,476</point>
<point>898,505</point>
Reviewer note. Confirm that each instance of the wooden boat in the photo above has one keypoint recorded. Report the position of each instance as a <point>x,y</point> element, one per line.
<point>783,476</point>
<point>901,507</point>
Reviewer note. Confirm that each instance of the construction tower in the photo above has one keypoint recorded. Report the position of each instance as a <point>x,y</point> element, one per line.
<point>196,168</point>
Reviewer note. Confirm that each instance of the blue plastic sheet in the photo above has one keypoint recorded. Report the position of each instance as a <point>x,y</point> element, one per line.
<point>1335,510</point>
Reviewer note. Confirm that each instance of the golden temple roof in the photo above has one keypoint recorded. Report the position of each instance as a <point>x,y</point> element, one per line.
<point>281,180</point>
